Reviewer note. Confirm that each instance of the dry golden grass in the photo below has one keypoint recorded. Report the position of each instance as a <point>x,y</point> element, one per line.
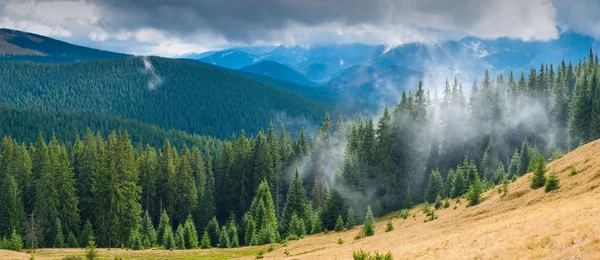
<point>12,255</point>
<point>524,224</point>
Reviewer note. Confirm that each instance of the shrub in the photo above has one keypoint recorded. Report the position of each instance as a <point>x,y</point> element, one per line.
<point>404,213</point>
<point>552,183</point>
<point>426,207</point>
<point>270,248</point>
<point>361,255</point>
<point>361,234</point>
<point>446,203</point>
<point>73,257</point>
<point>340,241</point>
<point>573,171</point>
<point>389,226</point>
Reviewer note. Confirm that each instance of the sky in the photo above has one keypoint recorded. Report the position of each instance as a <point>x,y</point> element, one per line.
<point>175,27</point>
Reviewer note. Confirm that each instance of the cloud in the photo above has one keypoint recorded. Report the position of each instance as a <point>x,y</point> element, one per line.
<point>178,26</point>
<point>580,16</point>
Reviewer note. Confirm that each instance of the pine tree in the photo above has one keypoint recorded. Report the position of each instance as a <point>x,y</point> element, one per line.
<point>408,198</point>
<point>538,178</point>
<point>369,226</point>
<point>475,190</point>
<point>180,237</point>
<point>12,215</point>
<point>59,239</point>
<point>296,228</point>
<point>163,223</point>
<point>459,184</point>
<point>16,243</point>
<point>262,212</point>
<point>213,232</point>
<point>350,219</point>
<point>435,186</point>
<point>169,238</point>
<point>224,239</point>
<point>205,243</point>
<point>87,233</point>
<point>296,202</point>
<point>552,183</point>
<point>72,240</point>
<point>191,235</point>
<point>233,232</point>
<point>339,224</point>
<point>147,232</point>
<point>390,226</point>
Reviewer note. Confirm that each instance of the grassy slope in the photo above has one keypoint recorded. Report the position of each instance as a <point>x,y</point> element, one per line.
<point>524,224</point>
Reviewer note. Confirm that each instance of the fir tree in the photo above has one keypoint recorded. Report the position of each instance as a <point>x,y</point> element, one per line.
<point>233,232</point>
<point>72,240</point>
<point>538,178</point>
<point>435,186</point>
<point>350,219</point>
<point>213,232</point>
<point>16,243</point>
<point>339,224</point>
<point>296,202</point>
<point>369,226</point>
<point>475,190</point>
<point>224,239</point>
<point>296,228</point>
<point>169,238</point>
<point>90,251</point>
<point>147,232</point>
<point>87,233</point>
<point>459,184</point>
<point>390,226</point>
<point>180,237</point>
<point>191,235</point>
<point>205,243</point>
<point>408,198</point>
<point>59,239</point>
<point>552,183</point>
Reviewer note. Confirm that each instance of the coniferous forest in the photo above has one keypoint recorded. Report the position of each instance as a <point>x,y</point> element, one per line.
<point>253,189</point>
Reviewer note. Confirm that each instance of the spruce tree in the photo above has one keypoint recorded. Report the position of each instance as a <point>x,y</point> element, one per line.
<point>163,223</point>
<point>459,184</point>
<point>339,224</point>
<point>205,243</point>
<point>87,233</point>
<point>475,190</point>
<point>350,219</point>
<point>390,226</point>
<point>224,239</point>
<point>147,232</point>
<point>59,238</point>
<point>233,232</point>
<point>524,158</point>
<point>296,228</point>
<point>513,168</point>
<point>16,243</point>
<point>552,183</point>
<point>296,202</point>
<point>46,194</point>
<point>435,186</point>
<point>369,226</point>
<point>12,215</point>
<point>191,235</point>
<point>538,179</point>
<point>262,212</point>
<point>169,238</point>
<point>180,237</point>
<point>408,198</point>
<point>72,240</point>
<point>213,232</point>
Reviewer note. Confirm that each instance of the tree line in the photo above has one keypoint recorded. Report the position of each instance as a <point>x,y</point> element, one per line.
<point>269,187</point>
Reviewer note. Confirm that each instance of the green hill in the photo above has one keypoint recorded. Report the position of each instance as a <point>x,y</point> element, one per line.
<point>26,125</point>
<point>22,46</point>
<point>173,94</point>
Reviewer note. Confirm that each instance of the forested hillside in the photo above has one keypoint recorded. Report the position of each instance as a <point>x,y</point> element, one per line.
<point>271,187</point>
<point>23,46</point>
<point>26,125</point>
<point>173,94</point>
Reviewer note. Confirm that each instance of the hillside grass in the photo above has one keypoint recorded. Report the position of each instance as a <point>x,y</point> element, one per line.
<point>524,224</point>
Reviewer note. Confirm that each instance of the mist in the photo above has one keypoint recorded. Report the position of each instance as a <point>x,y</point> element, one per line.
<point>155,80</point>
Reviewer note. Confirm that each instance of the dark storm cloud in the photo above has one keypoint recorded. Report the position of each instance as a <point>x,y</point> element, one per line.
<point>251,20</point>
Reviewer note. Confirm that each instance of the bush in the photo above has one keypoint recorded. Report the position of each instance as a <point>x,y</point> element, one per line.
<point>73,257</point>
<point>552,183</point>
<point>361,255</point>
<point>340,241</point>
<point>404,213</point>
<point>573,171</point>
<point>426,207</point>
<point>390,226</point>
